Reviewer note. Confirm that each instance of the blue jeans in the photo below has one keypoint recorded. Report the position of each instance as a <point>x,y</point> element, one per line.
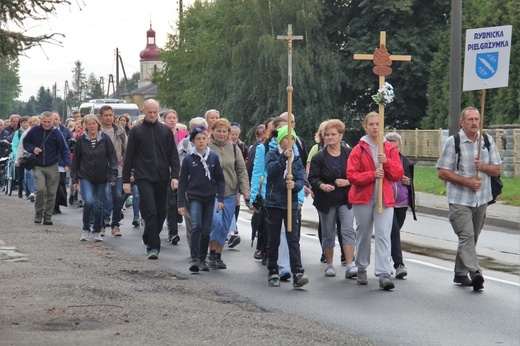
<point>135,201</point>
<point>28,182</point>
<point>93,196</point>
<point>222,219</point>
<point>201,213</point>
<point>114,202</point>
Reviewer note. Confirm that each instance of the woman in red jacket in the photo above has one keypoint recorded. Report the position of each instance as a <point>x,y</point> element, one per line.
<point>363,173</point>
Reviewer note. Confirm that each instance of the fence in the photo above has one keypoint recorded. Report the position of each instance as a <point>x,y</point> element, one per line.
<point>427,145</point>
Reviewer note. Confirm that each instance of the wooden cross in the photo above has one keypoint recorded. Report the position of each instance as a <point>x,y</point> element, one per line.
<point>383,60</point>
<point>289,37</point>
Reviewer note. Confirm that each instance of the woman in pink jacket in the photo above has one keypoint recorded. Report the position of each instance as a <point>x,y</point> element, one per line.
<point>363,173</point>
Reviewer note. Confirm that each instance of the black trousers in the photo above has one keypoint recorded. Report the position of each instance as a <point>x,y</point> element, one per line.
<point>152,203</point>
<point>173,227</point>
<point>273,224</point>
<point>395,236</point>
<point>19,174</point>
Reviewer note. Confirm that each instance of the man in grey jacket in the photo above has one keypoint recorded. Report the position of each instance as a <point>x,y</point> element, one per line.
<point>114,194</point>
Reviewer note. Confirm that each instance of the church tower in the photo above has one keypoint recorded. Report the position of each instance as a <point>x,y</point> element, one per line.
<point>150,61</point>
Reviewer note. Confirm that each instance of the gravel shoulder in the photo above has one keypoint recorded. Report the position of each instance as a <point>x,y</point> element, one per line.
<point>55,289</point>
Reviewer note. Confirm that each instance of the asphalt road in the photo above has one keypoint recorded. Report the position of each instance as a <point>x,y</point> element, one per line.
<point>426,308</point>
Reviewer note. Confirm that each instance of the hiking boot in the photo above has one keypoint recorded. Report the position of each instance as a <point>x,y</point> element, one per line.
<point>116,232</point>
<point>300,280</point>
<point>477,281</point>
<point>221,264</point>
<point>330,272</point>
<point>463,280</point>
<point>212,262</point>
<point>362,278</point>
<point>273,278</point>
<point>351,272</point>
<point>37,218</point>
<point>203,266</point>
<point>102,232</point>
<point>153,254</point>
<point>136,222</point>
<point>175,239</point>
<point>400,272</point>
<point>85,235</point>
<point>194,265</point>
<point>386,283</point>
<point>233,241</point>
<point>96,237</point>
<point>47,221</point>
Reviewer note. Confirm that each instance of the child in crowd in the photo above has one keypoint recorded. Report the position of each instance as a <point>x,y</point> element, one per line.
<point>200,180</point>
<point>276,162</point>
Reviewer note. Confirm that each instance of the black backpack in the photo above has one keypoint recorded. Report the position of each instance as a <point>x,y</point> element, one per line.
<point>496,184</point>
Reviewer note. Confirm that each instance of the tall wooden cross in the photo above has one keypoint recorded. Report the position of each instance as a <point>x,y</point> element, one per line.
<point>383,60</point>
<point>289,37</point>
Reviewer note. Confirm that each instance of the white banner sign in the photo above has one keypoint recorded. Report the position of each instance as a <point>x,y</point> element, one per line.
<point>486,60</point>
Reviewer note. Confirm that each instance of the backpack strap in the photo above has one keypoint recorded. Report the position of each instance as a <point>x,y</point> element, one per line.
<point>456,138</point>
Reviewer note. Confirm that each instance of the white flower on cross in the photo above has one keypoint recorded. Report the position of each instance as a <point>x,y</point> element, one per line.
<point>385,95</point>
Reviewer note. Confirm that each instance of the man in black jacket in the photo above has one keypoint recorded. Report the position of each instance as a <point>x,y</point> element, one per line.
<point>152,154</point>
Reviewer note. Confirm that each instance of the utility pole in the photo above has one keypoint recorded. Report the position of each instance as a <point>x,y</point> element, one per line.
<point>455,68</point>
<point>117,74</point>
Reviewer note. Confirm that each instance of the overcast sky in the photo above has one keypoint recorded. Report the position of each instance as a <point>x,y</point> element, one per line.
<point>92,35</point>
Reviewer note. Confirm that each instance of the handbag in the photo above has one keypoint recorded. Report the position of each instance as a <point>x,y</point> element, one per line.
<point>27,160</point>
<point>496,188</point>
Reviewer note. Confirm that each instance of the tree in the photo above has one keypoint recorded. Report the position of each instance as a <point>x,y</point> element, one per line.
<point>43,101</point>
<point>9,85</point>
<point>130,84</point>
<point>94,90</point>
<point>78,81</point>
<point>502,104</point>
<point>229,59</point>
<point>15,13</point>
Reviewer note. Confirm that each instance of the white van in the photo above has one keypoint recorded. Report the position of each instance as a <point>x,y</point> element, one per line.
<point>119,106</point>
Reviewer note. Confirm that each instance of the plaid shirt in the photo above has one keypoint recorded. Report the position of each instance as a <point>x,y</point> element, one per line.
<point>462,195</point>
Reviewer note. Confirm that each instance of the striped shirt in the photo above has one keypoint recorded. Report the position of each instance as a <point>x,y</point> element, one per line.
<point>462,195</point>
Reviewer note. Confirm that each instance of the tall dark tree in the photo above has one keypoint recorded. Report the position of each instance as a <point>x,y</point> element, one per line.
<point>14,14</point>
<point>94,90</point>
<point>43,100</point>
<point>130,84</point>
<point>9,84</point>
<point>79,81</point>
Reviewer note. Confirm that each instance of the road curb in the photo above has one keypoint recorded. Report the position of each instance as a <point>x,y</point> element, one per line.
<point>490,221</point>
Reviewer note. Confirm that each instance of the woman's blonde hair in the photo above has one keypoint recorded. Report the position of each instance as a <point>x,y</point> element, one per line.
<point>336,124</point>
<point>220,122</point>
<point>34,120</point>
<point>318,137</point>
<point>370,115</point>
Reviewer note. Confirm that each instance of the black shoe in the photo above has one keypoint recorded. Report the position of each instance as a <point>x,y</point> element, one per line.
<point>37,218</point>
<point>322,258</point>
<point>477,281</point>
<point>233,241</point>
<point>57,211</point>
<point>463,280</point>
<point>194,266</point>
<point>47,221</point>
<point>71,199</point>
<point>285,276</point>
<point>258,254</point>
<point>179,218</point>
<point>136,222</point>
<point>264,259</point>
<point>175,239</point>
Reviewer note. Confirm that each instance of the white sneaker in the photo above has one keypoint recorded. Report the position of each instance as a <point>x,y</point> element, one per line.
<point>84,235</point>
<point>330,272</point>
<point>96,237</point>
<point>351,272</point>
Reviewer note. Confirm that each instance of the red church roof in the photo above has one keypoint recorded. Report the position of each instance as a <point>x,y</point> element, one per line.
<point>151,52</point>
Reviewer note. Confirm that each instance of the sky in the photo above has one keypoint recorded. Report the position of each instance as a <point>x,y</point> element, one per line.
<point>93,30</point>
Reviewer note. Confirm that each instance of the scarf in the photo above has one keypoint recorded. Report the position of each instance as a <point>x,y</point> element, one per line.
<point>203,159</point>
<point>281,151</point>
